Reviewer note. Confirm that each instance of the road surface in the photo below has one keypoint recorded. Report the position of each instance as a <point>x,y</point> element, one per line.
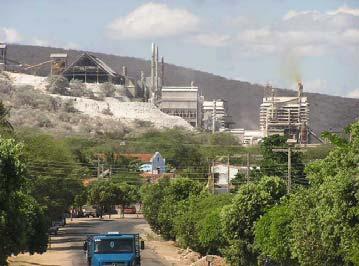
<point>66,248</point>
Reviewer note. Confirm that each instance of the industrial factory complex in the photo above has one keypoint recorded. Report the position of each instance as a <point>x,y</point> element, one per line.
<point>277,115</point>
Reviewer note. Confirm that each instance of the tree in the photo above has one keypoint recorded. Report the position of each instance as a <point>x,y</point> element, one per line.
<point>162,200</point>
<point>239,179</point>
<point>23,225</point>
<point>103,194</point>
<point>127,194</point>
<point>318,225</point>
<point>55,174</point>
<point>273,234</point>
<point>56,193</point>
<point>178,190</point>
<point>48,156</point>
<point>152,197</point>
<point>325,227</point>
<point>197,222</point>
<point>5,125</point>
<point>238,219</point>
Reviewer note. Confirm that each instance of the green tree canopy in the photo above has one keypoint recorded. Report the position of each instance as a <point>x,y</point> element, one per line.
<point>23,225</point>
<point>318,225</point>
<point>161,202</point>
<point>238,219</point>
<point>5,126</point>
<point>197,223</point>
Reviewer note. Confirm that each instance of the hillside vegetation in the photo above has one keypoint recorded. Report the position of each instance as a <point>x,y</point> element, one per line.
<point>55,105</point>
<point>327,112</point>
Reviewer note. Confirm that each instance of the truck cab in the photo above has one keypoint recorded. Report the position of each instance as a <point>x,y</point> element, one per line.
<point>113,249</point>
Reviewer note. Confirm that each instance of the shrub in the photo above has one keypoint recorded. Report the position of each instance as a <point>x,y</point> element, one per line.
<point>54,104</point>
<point>45,122</point>
<point>65,117</point>
<point>107,111</point>
<point>77,88</point>
<point>142,123</point>
<point>5,86</point>
<point>26,96</point>
<point>273,235</point>
<point>58,85</point>
<point>68,106</point>
<point>108,89</point>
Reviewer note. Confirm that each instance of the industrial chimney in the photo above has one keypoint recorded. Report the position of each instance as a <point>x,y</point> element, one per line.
<point>124,71</point>
<point>300,89</point>
<point>156,69</point>
<point>162,71</point>
<point>153,69</point>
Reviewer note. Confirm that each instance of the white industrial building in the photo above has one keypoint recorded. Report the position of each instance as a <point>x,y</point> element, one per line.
<point>184,102</point>
<point>247,137</point>
<point>286,116</point>
<point>215,115</point>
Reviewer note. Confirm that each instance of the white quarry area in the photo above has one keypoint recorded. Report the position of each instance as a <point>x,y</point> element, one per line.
<point>19,79</point>
<point>127,112</point>
<point>122,110</point>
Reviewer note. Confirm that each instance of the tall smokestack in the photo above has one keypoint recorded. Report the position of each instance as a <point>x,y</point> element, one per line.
<point>142,77</point>
<point>162,71</point>
<point>300,94</point>
<point>153,69</point>
<point>124,71</point>
<point>156,68</point>
<point>300,89</point>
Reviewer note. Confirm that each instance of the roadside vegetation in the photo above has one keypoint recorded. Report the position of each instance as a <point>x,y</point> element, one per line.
<point>316,224</point>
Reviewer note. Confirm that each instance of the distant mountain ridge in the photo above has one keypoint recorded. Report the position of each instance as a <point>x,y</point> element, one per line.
<point>244,98</point>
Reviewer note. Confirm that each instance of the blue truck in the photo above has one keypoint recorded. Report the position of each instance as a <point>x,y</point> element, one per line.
<point>113,249</point>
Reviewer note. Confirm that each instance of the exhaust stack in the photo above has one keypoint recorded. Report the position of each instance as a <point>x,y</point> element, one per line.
<point>300,89</point>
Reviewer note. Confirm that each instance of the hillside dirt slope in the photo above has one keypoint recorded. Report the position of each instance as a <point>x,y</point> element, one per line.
<point>33,106</point>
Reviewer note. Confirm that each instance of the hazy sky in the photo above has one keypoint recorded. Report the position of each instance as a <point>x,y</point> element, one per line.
<point>259,41</point>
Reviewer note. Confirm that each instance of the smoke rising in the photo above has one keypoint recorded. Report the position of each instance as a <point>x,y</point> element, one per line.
<point>290,67</point>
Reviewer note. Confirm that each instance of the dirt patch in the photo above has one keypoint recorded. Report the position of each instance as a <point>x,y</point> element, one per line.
<point>175,255</point>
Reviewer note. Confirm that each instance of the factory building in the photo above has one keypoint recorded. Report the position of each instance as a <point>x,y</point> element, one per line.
<point>132,86</point>
<point>90,69</point>
<point>247,137</point>
<point>58,63</point>
<point>287,116</point>
<point>2,56</point>
<point>215,115</point>
<point>184,102</point>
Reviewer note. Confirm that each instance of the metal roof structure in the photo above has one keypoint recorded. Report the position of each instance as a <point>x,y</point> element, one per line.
<point>97,61</point>
<point>58,55</point>
<point>91,69</point>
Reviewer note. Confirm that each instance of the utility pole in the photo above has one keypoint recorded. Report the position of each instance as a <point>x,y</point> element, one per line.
<point>98,167</point>
<point>228,170</point>
<point>214,114</point>
<point>248,167</point>
<point>289,151</point>
<point>211,178</point>
<point>289,185</point>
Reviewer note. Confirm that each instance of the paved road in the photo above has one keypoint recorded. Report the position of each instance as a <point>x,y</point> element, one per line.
<point>76,233</point>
